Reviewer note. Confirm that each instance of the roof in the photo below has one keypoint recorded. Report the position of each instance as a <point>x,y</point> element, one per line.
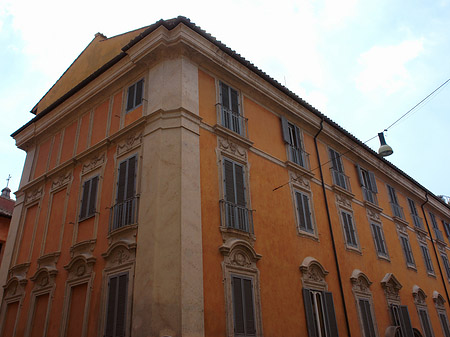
<point>170,24</point>
<point>6,206</point>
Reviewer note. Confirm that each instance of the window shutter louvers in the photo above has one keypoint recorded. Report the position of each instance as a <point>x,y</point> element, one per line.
<point>249,311</point>
<point>373,182</point>
<point>121,182</point>
<point>285,129</point>
<point>238,306</point>
<point>240,187</point>
<point>331,315</point>
<point>425,323</point>
<point>234,102</point>
<point>360,176</point>
<point>84,201</point>
<point>307,213</point>
<point>310,323</point>
<point>366,315</point>
<point>121,305</point>
<point>444,323</point>
<point>93,196</point>
<point>139,87</point>
<point>301,214</point>
<point>111,309</point>
<point>130,99</point>
<point>225,97</point>
<point>229,181</point>
<point>131,173</point>
<point>406,321</point>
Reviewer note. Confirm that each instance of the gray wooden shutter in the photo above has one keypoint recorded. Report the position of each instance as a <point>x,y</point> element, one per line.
<point>229,181</point>
<point>225,96</point>
<point>84,200</point>
<point>240,185</point>
<point>139,91</point>
<point>93,196</point>
<point>250,328</point>
<point>307,213</point>
<point>234,101</point>
<point>238,306</point>
<point>297,137</point>
<point>121,305</point>
<point>444,323</point>
<point>360,177</point>
<point>121,181</point>
<point>131,178</point>
<point>130,98</point>
<point>406,322</point>
<point>301,213</point>
<point>285,130</point>
<point>309,313</point>
<point>331,315</point>
<point>366,316</point>
<point>373,182</point>
<point>111,308</point>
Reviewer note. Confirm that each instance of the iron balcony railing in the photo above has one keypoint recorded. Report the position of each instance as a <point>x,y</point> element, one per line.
<point>232,121</point>
<point>439,234</point>
<point>370,196</point>
<point>397,210</point>
<point>299,157</point>
<point>236,217</point>
<point>340,179</point>
<point>417,221</point>
<point>124,213</point>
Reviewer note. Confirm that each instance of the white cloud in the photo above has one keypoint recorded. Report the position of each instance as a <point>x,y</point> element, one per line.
<point>384,67</point>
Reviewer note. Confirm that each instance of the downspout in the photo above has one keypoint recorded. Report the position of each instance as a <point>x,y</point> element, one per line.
<point>434,247</point>
<point>331,229</point>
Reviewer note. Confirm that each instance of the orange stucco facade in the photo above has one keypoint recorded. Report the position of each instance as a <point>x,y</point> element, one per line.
<point>126,180</point>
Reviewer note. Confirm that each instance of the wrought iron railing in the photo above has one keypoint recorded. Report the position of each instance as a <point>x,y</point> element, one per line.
<point>397,210</point>
<point>233,121</point>
<point>299,157</point>
<point>124,213</point>
<point>236,217</point>
<point>370,196</point>
<point>340,179</point>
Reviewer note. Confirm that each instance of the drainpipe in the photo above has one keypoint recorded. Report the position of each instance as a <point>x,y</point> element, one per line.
<point>434,247</point>
<point>331,230</point>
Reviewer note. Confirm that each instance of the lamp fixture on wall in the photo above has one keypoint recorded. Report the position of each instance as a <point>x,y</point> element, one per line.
<point>384,150</point>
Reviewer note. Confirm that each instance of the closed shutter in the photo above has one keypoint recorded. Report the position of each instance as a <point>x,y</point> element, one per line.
<point>360,176</point>
<point>329,307</point>
<point>373,182</point>
<point>229,181</point>
<point>84,201</point>
<point>250,328</point>
<point>131,178</point>
<point>346,227</point>
<point>240,187</point>
<point>309,313</point>
<point>121,305</point>
<point>366,316</point>
<point>425,323</point>
<point>301,212</point>
<point>234,101</point>
<point>130,99</point>
<point>285,130</point>
<point>111,309</point>
<point>336,161</point>
<point>117,303</point>
<point>392,195</point>
<point>93,196</point>
<point>139,91</point>
<point>238,307</point>
<point>307,213</point>
<point>444,323</point>
<point>121,182</point>
<point>406,322</point>
<point>446,265</point>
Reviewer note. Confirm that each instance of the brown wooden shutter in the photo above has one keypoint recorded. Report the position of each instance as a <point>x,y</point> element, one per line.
<point>229,181</point>
<point>250,328</point>
<point>111,308</point>
<point>329,306</point>
<point>444,323</point>
<point>121,182</point>
<point>406,322</point>
<point>310,322</point>
<point>93,196</point>
<point>131,178</point>
<point>121,305</point>
<point>238,306</point>
<point>240,185</point>
<point>84,200</point>
<point>130,98</point>
<point>285,130</point>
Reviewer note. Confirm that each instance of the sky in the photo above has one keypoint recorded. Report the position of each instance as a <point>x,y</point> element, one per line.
<point>362,63</point>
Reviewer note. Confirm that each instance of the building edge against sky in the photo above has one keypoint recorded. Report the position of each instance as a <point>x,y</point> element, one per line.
<point>173,189</point>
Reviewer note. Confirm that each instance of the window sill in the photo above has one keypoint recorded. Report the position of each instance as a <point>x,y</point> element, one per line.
<point>299,169</point>
<point>412,267</point>
<point>87,217</point>
<point>341,190</point>
<point>400,220</point>
<point>353,249</point>
<point>433,275</point>
<point>307,235</point>
<point>421,230</point>
<point>127,233</point>
<point>373,206</point>
<point>228,233</point>
<point>384,258</point>
<point>227,133</point>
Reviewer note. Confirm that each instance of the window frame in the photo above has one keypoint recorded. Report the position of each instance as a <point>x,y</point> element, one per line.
<point>427,259</point>
<point>230,119</point>
<point>303,229</point>
<point>244,307</point>
<point>368,184</point>
<point>382,255</point>
<point>407,251</point>
<point>349,245</point>
<point>295,146</point>
<point>133,87</point>
<point>337,170</point>
<point>90,209</point>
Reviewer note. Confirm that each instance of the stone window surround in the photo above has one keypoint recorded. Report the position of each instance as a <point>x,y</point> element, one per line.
<point>420,303</point>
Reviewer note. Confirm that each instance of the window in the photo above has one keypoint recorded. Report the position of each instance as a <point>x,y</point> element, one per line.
<point>400,317</point>
<point>446,228</point>
<point>349,229</point>
<point>230,109</point>
<point>89,198</point>
<point>293,139</point>
<point>396,209</point>
<point>116,308</point>
<point>304,212</point>
<point>320,314</point>
<point>436,229</point>
<point>378,236</point>
<point>243,306</point>
<point>415,216</point>
<point>368,184</point>
<point>407,251</point>
<point>124,211</point>
<point>337,169</point>
<point>446,265</point>
<point>425,322</point>
<point>237,215</point>
<point>427,258</point>
<point>444,323</point>
<point>364,303</point>
<point>365,310</point>
<point>134,96</point>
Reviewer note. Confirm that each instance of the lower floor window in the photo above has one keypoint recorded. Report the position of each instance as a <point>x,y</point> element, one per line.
<point>243,306</point>
<point>426,325</point>
<point>400,317</point>
<point>444,324</point>
<point>117,304</point>
<point>320,315</point>
<point>366,317</point>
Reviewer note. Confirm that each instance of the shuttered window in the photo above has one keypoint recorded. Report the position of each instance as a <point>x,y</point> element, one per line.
<point>446,265</point>
<point>89,198</point>
<point>400,317</point>
<point>116,307</point>
<point>337,169</point>
<point>444,324</point>
<point>368,184</point>
<point>243,306</point>
<point>349,229</point>
<point>366,317</point>
<point>427,259</point>
<point>320,314</point>
<point>229,100</point>
<point>407,250</point>
<point>446,228</point>
<point>292,137</point>
<point>378,236</point>
<point>304,212</point>
<point>134,95</point>
<point>425,321</point>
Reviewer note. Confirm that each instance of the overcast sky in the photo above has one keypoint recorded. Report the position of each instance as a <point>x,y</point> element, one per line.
<point>361,63</point>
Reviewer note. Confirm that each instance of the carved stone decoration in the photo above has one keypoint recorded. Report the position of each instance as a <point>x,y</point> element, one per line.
<point>48,261</point>
<point>232,148</point>
<point>34,195</point>
<point>93,163</point>
<point>61,181</point>
<point>131,142</point>
<point>120,253</point>
<point>419,295</point>
<point>402,228</point>
<point>15,287</point>
<point>360,281</point>
<point>300,180</point>
<point>239,253</point>
<point>391,287</point>
<point>422,237</point>
<point>438,300</point>
<point>372,215</point>
<point>44,278</point>
<point>80,266</point>
<point>83,248</point>
<point>343,201</point>
<point>441,247</point>
<point>313,274</point>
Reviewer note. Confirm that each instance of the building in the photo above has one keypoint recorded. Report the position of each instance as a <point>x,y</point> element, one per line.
<point>6,210</point>
<point>171,188</point>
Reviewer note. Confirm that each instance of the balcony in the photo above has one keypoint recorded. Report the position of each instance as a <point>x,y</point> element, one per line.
<point>418,222</point>
<point>370,196</point>
<point>236,217</point>
<point>397,211</point>
<point>299,157</point>
<point>232,121</point>
<point>123,214</point>
<point>340,179</point>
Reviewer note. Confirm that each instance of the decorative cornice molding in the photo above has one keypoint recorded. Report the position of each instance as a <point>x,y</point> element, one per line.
<point>391,287</point>
<point>300,181</point>
<point>62,180</point>
<point>131,142</point>
<point>93,163</point>
<point>231,148</point>
<point>419,296</point>
<point>313,274</point>
<point>34,195</point>
<point>360,282</point>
